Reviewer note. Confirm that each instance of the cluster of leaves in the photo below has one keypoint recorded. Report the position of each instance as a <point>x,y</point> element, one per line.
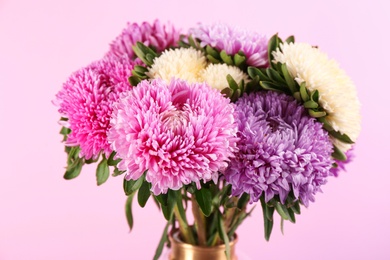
<point>75,163</point>
<point>286,211</point>
<point>146,55</point>
<point>214,56</point>
<point>217,214</point>
<point>277,78</point>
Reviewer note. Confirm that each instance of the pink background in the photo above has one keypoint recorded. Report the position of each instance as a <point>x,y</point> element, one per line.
<point>42,216</point>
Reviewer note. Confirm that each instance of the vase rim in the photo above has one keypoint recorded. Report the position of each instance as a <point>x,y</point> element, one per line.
<point>174,237</point>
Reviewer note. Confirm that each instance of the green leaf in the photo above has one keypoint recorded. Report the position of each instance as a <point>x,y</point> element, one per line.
<point>226,58</point>
<point>143,193</point>
<point>253,72</point>
<point>228,92</point>
<point>204,199</point>
<point>338,154</point>
<point>310,104</point>
<point>102,172</point>
<point>275,76</point>
<point>303,91</point>
<point>223,235</point>
<point>145,53</point>
<point>150,58</point>
<point>243,201</point>
<point>282,210</point>
<point>134,80</point>
<point>271,86</point>
<point>297,96</point>
<point>163,240</point>
<point>315,96</point>
<point>316,114</point>
<point>192,42</point>
<point>130,186</point>
<point>167,202</point>
<point>238,59</point>
<point>291,215</point>
<point>282,225</point>
<point>73,155</point>
<point>91,160</point>
<point>129,211</point>
<point>232,83</point>
<point>211,51</point>
<point>296,208</point>
<point>117,172</point>
<point>139,75</point>
<point>212,59</point>
<point>273,44</point>
<point>342,137</point>
<point>140,69</point>
<point>268,218</point>
<point>111,161</point>
<point>64,131</point>
<point>74,170</point>
<point>289,79</point>
<point>290,39</point>
<point>326,124</point>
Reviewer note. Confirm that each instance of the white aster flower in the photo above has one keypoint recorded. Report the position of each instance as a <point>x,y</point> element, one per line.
<point>215,75</point>
<point>179,63</point>
<point>337,92</point>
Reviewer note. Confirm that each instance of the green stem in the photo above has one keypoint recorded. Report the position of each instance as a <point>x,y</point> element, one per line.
<point>200,222</point>
<point>185,230</point>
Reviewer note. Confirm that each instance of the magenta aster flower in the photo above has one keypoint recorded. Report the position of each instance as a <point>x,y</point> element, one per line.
<point>233,40</point>
<point>281,149</point>
<point>179,132</point>
<point>86,101</point>
<point>157,35</point>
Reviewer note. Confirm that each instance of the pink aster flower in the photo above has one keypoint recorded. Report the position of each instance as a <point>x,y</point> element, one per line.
<point>178,132</point>
<point>233,40</point>
<point>86,101</point>
<point>158,35</point>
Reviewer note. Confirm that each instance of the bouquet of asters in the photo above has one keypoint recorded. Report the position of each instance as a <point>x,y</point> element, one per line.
<point>209,123</point>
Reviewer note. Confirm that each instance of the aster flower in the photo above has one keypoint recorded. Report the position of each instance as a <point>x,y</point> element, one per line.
<point>86,101</point>
<point>337,93</point>
<point>233,40</point>
<point>215,75</point>
<point>157,35</point>
<point>282,149</point>
<point>181,63</point>
<point>179,132</point>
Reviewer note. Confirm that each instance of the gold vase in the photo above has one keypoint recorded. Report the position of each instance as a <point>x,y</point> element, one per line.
<point>184,251</point>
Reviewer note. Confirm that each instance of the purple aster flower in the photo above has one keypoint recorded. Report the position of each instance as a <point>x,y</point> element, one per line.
<point>157,35</point>
<point>86,101</point>
<point>179,132</point>
<point>281,149</point>
<point>233,40</point>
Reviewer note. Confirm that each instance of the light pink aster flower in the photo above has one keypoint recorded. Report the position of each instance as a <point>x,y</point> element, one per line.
<point>179,132</point>
<point>158,35</point>
<point>233,40</point>
<point>86,101</point>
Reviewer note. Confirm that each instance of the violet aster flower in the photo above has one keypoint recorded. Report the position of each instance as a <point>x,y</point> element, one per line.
<point>86,101</point>
<point>281,149</point>
<point>179,132</point>
<point>233,40</point>
<point>157,35</point>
